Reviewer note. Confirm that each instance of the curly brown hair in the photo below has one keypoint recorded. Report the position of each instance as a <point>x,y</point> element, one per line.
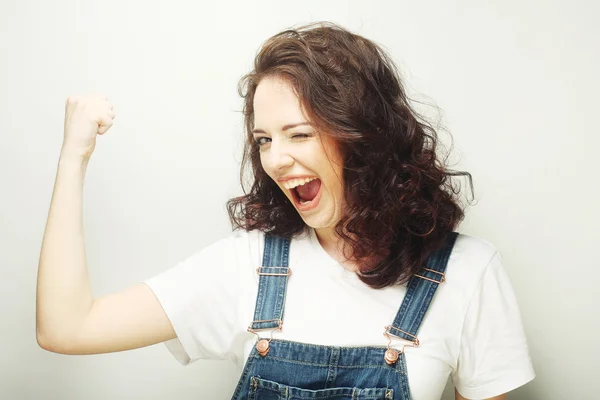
<point>401,201</point>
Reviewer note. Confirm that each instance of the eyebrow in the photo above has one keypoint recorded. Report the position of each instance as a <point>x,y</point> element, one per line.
<point>285,127</point>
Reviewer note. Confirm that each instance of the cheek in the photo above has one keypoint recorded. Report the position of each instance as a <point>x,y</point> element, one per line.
<point>264,165</point>
<point>268,170</point>
<point>336,177</point>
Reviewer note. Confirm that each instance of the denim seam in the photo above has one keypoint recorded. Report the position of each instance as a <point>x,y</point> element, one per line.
<point>260,297</point>
<point>323,346</point>
<point>420,292</point>
<point>356,392</point>
<point>245,373</point>
<point>270,301</point>
<point>333,366</point>
<point>403,372</point>
<point>353,366</point>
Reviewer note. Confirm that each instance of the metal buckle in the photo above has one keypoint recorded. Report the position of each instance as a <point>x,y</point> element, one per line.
<point>391,355</point>
<point>442,279</point>
<point>289,272</point>
<point>389,335</point>
<point>263,345</point>
<point>279,326</point>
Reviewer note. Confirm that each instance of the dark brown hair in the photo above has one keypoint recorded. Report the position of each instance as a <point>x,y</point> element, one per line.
<point>400,199</point>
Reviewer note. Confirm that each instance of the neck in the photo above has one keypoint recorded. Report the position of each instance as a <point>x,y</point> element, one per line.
<point>334,246</point>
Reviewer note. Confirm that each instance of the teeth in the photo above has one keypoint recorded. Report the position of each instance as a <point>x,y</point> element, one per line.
<point>292,183</point>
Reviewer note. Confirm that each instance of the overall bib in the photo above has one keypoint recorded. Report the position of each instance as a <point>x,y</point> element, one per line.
<point>282,369</point>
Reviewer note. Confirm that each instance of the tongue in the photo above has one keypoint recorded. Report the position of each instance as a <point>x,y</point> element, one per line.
<point>309,191</point>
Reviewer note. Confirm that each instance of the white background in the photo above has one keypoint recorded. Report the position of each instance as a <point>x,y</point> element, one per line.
<point>517,86</point>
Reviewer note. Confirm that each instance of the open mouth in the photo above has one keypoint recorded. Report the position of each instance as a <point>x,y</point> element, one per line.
<point>305,205</point>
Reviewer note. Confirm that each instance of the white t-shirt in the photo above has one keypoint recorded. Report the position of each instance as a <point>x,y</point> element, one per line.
<point>471,332</point>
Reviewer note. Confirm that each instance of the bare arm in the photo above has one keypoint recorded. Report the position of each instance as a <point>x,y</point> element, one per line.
<point>64,296</point>
<point>68,319</point>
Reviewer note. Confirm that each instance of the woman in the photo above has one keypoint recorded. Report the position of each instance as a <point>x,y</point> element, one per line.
<point>385,301</point>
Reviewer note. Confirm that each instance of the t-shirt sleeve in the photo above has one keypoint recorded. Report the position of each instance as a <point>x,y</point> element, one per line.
<point>494,356</point>
<point>199,296</point>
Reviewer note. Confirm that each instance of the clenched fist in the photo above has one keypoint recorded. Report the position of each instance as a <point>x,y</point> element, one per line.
<point>85,117</point>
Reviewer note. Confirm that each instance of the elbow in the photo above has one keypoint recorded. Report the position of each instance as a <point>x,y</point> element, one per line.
<point>49,344</point>
<point>44,343</point>
<point>39,336</point>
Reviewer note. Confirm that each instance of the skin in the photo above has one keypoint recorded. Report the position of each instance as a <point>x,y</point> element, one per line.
<point>299,151</point>
<point>290,146</point>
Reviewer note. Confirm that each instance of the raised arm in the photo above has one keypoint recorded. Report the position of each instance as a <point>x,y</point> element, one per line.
<point>68,318</point>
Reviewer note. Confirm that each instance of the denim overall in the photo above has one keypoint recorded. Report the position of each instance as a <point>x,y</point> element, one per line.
<point>281,369</point>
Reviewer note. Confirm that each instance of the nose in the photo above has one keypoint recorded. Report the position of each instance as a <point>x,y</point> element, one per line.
<point>278,157</point>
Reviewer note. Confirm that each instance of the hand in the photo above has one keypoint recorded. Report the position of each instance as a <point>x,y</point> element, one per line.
<point>85,117</point>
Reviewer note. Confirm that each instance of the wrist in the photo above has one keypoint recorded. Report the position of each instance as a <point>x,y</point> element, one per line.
<point>73,158</point>
<point>76,152</point>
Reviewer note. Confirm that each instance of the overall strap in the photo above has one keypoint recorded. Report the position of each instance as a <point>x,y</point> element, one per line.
<point>419,293</point>
<point>272,283</point>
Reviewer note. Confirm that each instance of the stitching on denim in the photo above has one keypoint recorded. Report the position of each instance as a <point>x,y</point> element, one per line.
<point>401,372</point>
<point>327,347</point>
<point>355,395</point>
<point>245,373</point>
<point>332,367</point>
<point>260,297</point>
<point>420,293</point>
<point>353,366</point>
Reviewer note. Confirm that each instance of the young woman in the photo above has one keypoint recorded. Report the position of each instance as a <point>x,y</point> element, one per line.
<point>343,278</point>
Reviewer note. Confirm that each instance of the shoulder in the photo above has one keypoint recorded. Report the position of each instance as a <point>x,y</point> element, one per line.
<point>471,256</point>
<point>472,248</point>
<point>469,262</point>
<point>247,240</point>
<point>221,266</point>
<point>491,323</point>
<point>237,243</point>
<point>236,249</point>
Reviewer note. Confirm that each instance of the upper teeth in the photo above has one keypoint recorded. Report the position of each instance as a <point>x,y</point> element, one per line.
<point>292,183</point>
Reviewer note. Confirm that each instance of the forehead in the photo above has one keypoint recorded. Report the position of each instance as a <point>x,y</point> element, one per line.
<point>276,104</point>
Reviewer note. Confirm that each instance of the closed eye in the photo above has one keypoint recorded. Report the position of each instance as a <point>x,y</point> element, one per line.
<point>263,139</point>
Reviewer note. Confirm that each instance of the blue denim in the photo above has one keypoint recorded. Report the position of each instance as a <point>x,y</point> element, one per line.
<point>292,370</point>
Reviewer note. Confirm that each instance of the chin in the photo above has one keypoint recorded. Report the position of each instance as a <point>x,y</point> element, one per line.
<point>317,222</point>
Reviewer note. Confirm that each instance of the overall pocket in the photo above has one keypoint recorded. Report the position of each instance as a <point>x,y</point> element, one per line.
<point>262,389</point>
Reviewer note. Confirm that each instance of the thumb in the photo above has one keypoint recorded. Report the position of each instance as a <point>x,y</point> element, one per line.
<point>104,124</point>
